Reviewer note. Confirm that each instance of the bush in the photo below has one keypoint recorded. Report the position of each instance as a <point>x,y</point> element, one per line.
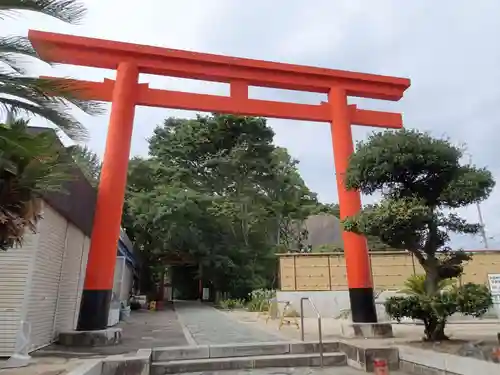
<point>259,299</point>
<point>434,310</point>
<point>231,303</point>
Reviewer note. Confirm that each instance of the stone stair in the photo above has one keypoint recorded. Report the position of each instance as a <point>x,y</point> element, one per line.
<point>244,356</point>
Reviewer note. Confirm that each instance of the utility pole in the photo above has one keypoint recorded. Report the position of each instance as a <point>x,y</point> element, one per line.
<point>479,213</point>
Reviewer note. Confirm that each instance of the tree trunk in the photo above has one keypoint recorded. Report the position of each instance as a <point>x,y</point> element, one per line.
<point>434,330</point>
<point>431,276</point>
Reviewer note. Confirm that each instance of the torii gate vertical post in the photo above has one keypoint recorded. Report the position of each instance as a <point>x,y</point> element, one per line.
<point>125,93</point>
<point>109,205</point>
<point>359,275</point>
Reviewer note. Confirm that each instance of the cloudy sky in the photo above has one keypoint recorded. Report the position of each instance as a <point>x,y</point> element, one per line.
<point>446,47</point>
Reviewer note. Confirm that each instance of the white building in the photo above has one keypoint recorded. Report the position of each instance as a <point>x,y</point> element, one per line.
<point>41,283</point>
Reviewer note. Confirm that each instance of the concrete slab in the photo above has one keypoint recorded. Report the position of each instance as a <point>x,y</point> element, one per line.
<point>371,330</point>
<point>104,337</point>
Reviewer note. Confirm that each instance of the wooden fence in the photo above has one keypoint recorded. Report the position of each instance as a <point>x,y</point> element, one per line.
<point>327,271</point>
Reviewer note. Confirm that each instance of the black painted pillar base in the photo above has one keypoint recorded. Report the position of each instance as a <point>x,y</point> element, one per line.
<point>362,305</point>
<point>94,310</point>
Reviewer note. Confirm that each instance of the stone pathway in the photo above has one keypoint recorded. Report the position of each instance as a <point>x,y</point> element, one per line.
<point>206,326</point>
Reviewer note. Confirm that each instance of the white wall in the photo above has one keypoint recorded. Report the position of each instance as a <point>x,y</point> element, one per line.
<point>329,303</point>
<point>46,277</point>
<point>15,267</point>
<point>42,282</point>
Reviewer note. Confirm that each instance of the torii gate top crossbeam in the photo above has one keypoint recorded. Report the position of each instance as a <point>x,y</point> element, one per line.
<point>98,53</point>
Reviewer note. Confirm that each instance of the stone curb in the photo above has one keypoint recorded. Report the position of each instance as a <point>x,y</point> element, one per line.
<point>427,362</point>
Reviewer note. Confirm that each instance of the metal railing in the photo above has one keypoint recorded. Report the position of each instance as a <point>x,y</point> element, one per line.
<point>320,332</point>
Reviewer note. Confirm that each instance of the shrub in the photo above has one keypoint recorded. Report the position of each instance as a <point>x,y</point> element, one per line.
<point>259,299</point>
<point>434,310</point>
<point>231,303</point>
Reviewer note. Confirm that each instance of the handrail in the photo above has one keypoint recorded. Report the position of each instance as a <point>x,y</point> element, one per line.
<point>320,332</point>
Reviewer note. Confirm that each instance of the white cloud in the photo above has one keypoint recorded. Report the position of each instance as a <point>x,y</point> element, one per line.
<point>445,47</point>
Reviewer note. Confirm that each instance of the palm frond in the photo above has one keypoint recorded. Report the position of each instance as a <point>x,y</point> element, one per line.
<point>65,91</point>
<point>12,50</point>
<point>415,285</point>
<point>64,121</point>
<point>70,11</point>
<point>47,98</point>
<point>48,89</point>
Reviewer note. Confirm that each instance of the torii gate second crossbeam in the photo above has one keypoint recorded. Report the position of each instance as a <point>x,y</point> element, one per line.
<point>125,93</point>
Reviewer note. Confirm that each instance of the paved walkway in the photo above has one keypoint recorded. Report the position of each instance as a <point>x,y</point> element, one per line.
<point>206,326</point>
<point>144,329</point>
<point>192,323</point>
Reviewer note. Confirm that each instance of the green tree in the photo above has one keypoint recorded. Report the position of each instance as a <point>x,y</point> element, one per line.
<point>215,188</point>
<point>88,162</point>
<point>421,181</point>
<point>21,94</point>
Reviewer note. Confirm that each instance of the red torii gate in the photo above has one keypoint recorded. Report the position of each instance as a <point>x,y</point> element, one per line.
<point>125,93</point>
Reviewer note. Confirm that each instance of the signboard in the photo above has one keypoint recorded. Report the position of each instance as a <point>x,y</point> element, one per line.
<point>494,283</point>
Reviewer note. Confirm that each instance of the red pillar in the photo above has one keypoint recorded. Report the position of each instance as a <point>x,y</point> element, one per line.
<point>359,276</point>
<point>107,218</point>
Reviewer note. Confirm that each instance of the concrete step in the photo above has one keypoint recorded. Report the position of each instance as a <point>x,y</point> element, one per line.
<point>240,350</point>
<point>248,362</point>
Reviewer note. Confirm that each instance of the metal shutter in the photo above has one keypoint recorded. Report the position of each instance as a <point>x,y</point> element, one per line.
<point>68,288</point>
<point>15,269</point>
<point>46,278</point>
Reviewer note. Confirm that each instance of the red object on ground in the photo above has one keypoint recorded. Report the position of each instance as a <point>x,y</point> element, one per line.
<point>380,367</point>
<point>496,353</point>
<point>159,305</point>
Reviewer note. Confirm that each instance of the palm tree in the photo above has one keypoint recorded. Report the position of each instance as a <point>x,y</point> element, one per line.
<point>45,98</point>
<point>415,285</point>
<point>30,164</point>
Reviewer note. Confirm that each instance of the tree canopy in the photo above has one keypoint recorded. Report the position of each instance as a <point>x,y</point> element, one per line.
<point>217,190</point>
<point>88,162</point>
<point>422,182</point>
<point>421,179</point>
